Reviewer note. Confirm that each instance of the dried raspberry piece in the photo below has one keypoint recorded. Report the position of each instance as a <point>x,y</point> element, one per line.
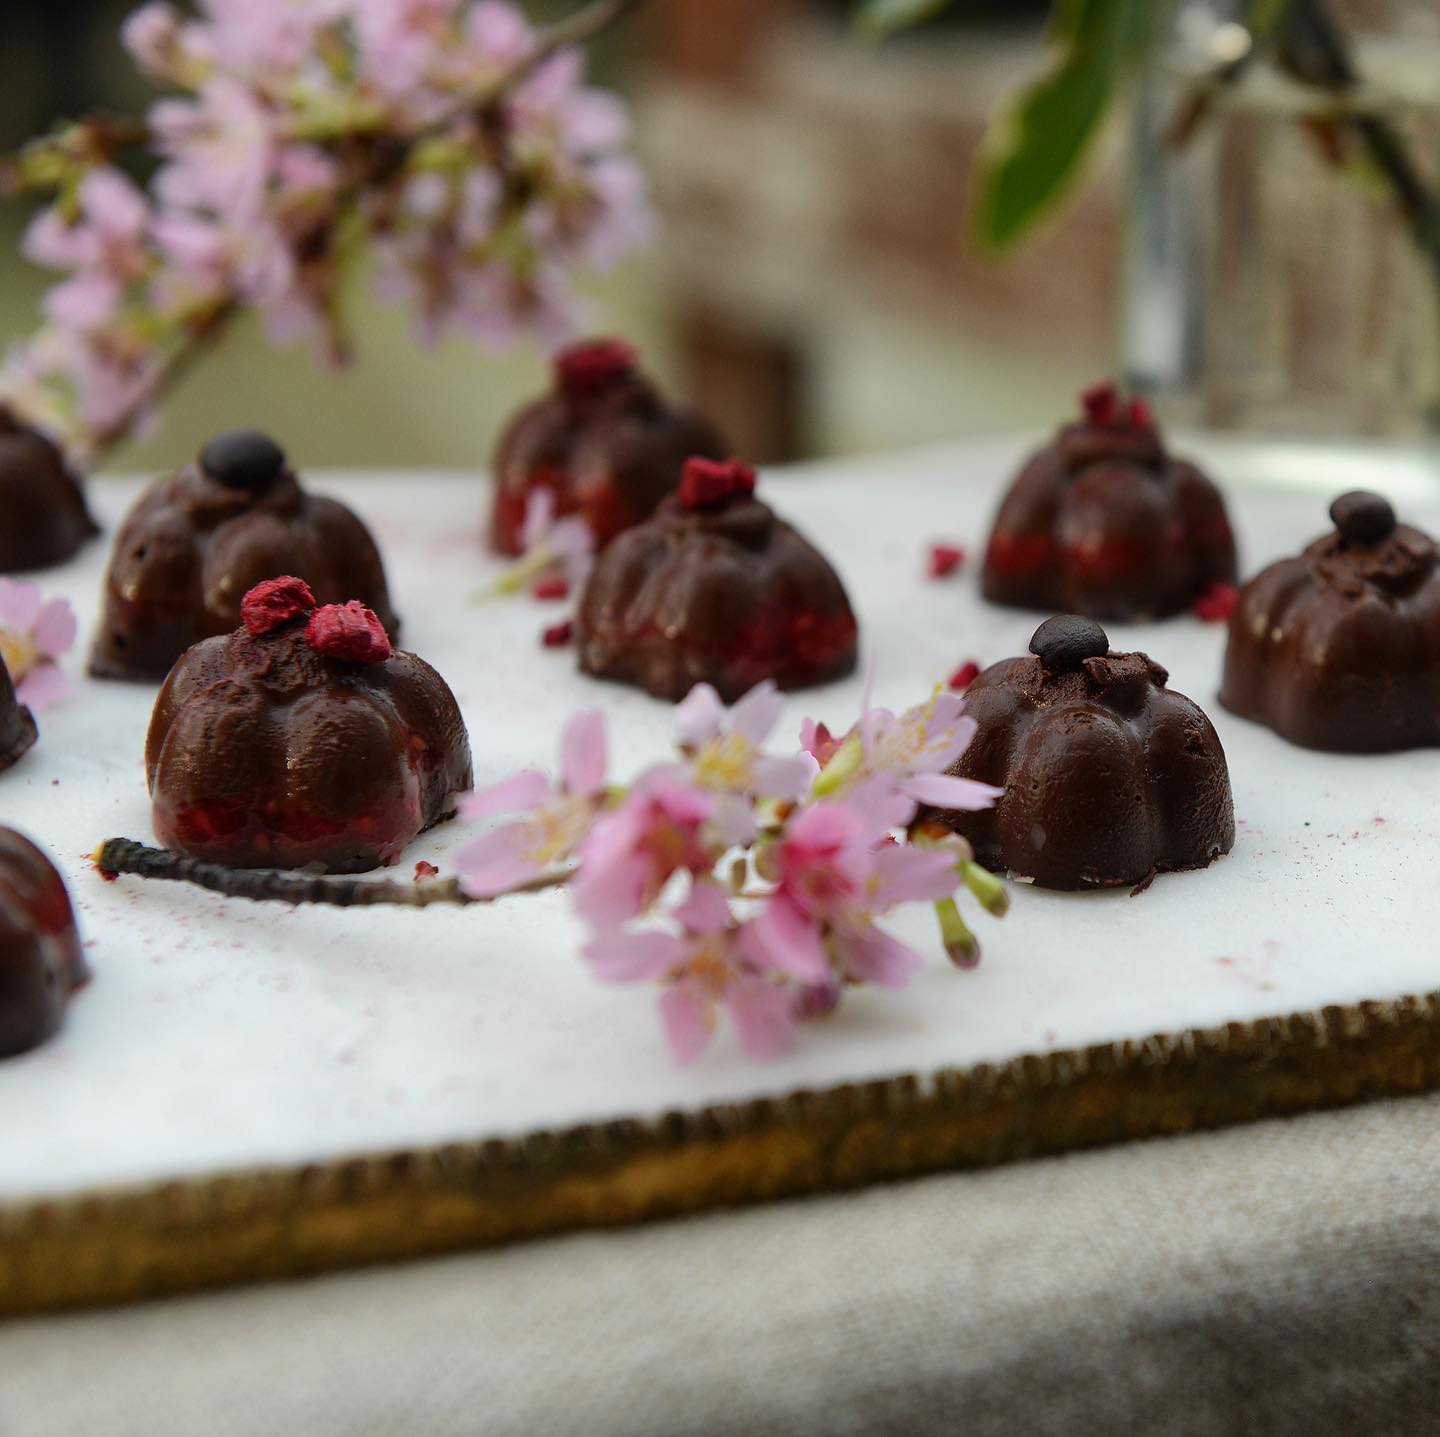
<point>964,676</point>
<point>348,631</point>
<point>943,560</point>
<point>275,602</point>
<point>1101,403</point>
<point>558,635</point>
<point>555,586</point>
<point>1141,416</point>
<point>709,483</point>
<point>592,366</point>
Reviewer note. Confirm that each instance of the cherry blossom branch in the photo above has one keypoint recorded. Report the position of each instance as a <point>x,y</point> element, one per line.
<point>476,211</point>
<point>125,855</point>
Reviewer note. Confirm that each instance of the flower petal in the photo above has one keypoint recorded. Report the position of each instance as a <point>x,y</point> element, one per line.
<point>19,605</point>
<point>633,957</point>
<point>763,1015</point>
<point>539,514</point>
<point>902,874</point>
<point>871,955</point>
<point>688,1022</point>
<point>945,791</point>
<point>584,753</point>
<point>784,777</point>
<point>880,805</point>
<point>757,713</point>
<point>520,793</point>
<point>783,938</point>
<point>55,627</point>
<point>698,715</point>
<point>494,862</point>
<point>42,686</point>
<point>705,909</point>
<point>612,890</point>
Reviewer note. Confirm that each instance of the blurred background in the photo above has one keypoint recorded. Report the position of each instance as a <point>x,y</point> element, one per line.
<point>812,285</point>
<point>815,285</point>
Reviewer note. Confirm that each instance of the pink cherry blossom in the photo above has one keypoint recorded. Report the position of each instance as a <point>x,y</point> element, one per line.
<point>565,544</point>
<point>702,969</point>
<point>557,816</point>
<point>917,747</point>
<point>220,147</point>
<point>660,829</point>
<point>836,874</point>
<point>34,632</point>
<point>724,750</point>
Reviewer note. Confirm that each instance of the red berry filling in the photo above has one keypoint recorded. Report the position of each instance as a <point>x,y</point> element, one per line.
<point>1216,604</point>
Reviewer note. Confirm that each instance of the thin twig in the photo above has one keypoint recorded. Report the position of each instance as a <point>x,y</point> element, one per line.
<point>126,855</point>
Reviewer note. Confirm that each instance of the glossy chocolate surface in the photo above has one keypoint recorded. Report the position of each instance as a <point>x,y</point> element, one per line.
<point>728,595</point>
<point>43,518</point>
<point>17,723</point>
<point>264,753</point>
<point>1104,522</point>
<point>1109,776</point>
<point>195,543</point>
<point>1339,647</point>
<point>41,962</point>
<point>603,440</point>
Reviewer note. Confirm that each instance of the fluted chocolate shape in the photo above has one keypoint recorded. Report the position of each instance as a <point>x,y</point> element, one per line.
<point>43,518</point>
<point>1110,777</point>
<point>727,596</point>
<point>1339,647</point>
<point>41,961</point>
<point>17,723</point>
<point>195,543</point>
<point>264,753</point>
<point>1103,521</point>
<point>603,440</point>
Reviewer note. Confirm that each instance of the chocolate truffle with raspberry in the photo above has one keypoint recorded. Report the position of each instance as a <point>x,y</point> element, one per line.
<point>1339,647</point>
<point>43,518</point>
<point>715,588</point>
<point>41,962</point>
<point>195,543</point>
<point>302,738</point>
<point>604,440</point>
<point>1104,521</point>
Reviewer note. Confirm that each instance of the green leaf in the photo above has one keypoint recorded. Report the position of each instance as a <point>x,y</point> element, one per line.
<point>1036,150</point>
<point>879,18</point>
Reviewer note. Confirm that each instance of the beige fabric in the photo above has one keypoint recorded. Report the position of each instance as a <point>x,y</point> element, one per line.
<point>1274,1279</point>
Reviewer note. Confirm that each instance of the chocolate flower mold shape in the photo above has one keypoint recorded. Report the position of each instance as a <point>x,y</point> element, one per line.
<point>303,738</point>
<point>1339,647</point>
<point>1109,777</point>
<point>43,518</point>
<point>715,588</point>
<point>604,442</point>
<point>196,542</point>
<point>41,962</point>
<point>1103,521</point>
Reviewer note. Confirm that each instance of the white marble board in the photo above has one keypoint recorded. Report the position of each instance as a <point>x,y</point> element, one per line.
<point>221,1034</point>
